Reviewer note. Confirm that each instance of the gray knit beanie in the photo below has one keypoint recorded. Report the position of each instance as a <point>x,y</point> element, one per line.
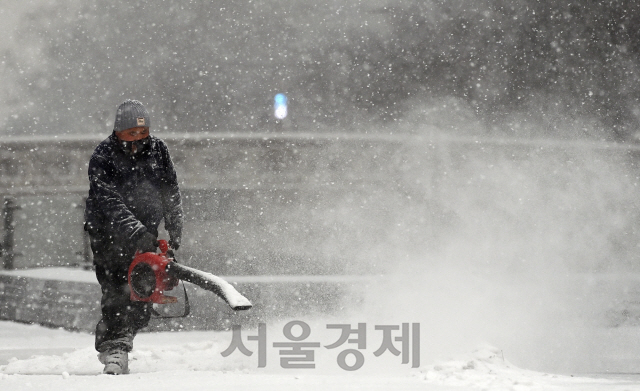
<point>131,114</point>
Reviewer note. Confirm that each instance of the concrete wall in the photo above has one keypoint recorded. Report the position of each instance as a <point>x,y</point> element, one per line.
<point>329,205</point>
<point>74,305</point>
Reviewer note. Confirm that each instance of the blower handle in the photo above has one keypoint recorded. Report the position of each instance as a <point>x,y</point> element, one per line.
<point>163,245</point>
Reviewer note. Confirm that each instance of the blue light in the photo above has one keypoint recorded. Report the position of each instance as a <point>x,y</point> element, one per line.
<point>280,106</point>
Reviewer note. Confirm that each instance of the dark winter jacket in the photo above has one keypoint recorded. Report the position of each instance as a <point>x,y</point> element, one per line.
<point>130,194</point>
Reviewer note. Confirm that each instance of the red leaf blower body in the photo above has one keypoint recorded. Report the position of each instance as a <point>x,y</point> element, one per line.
<point>151,274</point>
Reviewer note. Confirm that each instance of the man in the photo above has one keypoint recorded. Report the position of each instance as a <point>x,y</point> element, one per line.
<point>133,186</point>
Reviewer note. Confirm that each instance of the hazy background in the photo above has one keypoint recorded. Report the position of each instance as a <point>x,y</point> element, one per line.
<point>503,219</point>
<point>520,67</point>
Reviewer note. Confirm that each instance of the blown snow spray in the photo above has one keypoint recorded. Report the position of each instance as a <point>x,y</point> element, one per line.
<point>151,274</point>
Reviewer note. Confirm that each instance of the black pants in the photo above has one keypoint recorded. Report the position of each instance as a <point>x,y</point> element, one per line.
<point>121,318</point>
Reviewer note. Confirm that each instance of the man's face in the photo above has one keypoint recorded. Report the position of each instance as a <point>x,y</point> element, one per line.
<point>133,134</point>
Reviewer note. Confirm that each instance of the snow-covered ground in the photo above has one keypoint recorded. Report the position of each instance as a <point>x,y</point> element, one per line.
<point>34,357</point>
<point>477,331</point>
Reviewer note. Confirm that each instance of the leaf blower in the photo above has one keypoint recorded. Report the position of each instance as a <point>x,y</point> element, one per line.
<point>152,274</point>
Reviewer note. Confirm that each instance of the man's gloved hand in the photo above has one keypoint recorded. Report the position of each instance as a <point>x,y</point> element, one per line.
<point>174,242</point>
<point>147,243</point>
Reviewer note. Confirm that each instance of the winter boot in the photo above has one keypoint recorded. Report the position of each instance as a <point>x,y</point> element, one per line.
<point>116,362</point>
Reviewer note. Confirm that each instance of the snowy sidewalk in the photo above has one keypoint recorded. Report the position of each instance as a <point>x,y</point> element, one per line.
<point>192,361</point>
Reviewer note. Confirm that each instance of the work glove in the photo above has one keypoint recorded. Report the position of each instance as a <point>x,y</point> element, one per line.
<point>174,242</point>
<point>147,243</point>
